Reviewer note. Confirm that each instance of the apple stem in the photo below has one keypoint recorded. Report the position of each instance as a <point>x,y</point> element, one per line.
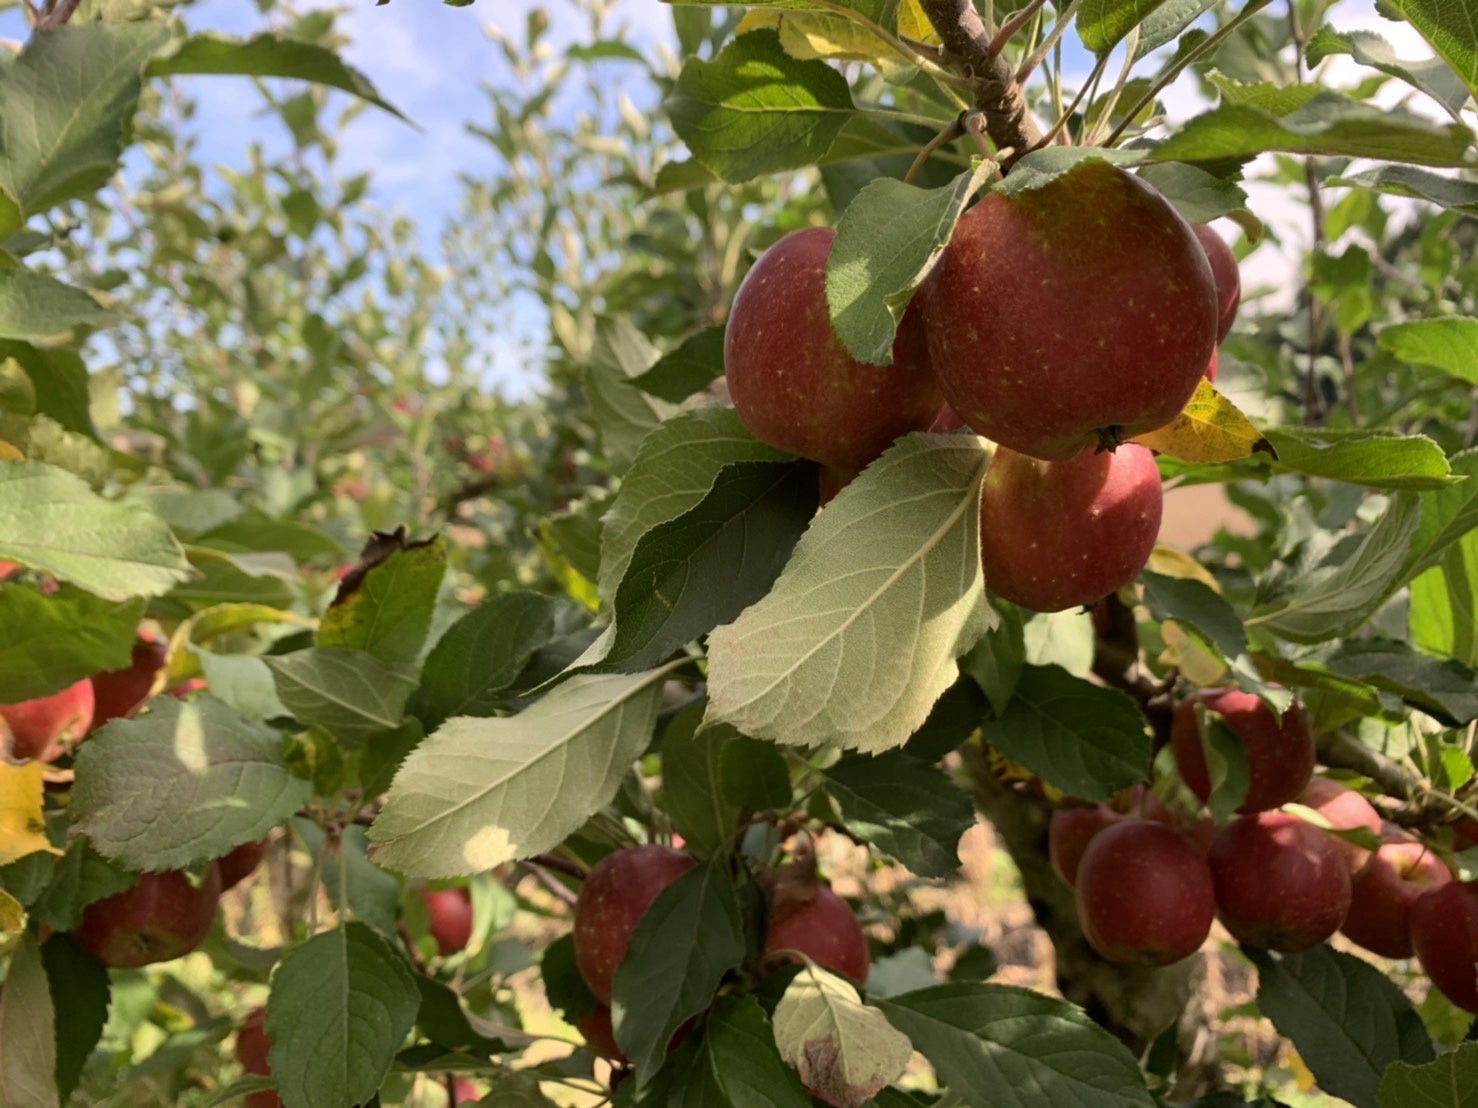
<point>955,129</point>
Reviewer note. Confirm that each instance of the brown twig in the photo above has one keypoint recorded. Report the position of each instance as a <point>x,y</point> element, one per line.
<point>58,15</point>
<point>967,45</point>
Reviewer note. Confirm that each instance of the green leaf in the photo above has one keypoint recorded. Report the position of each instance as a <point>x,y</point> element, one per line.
<point>1441,687</point>
<point>1433,76</point>
<point>672,472</point>
<point>442,1019</point>
<point>1010,1048</point>
<point>844,1050</point>
<point>692,784</point>
<point>60,380</point>
<point>886,243</point>
<point>907,809</point>
<point>1102,24</point>
<point>82,876</point>
<point>1041,167</point>
<point>623,413</point>
<point>50,520</point>
<point>1446,344</point>
<point>685,944</point>
<point>52,641</point>
<point>860,634</point>
<point>80,992</point>
<point>267,56</point>
<point>1327,124</point>
<point>1447,516</point>
<point>1443,616</point>
<point>480,656</point>
<point>1407,180</point>
<point>996,662</point>
<point>1335,597</point>
<point>697,362</point>
<point>1197,195</point>
<point>341,1005</point>
<point>1192,602</point>
<point>1166,22</point>
<point>1375,458</point>
<point>36,308</point>
<point>738,1050</point>
<point>265,579</point>
<point>1449,26</point>
<point>388,614</point>
<point>754,109</point>
<point>186,782</point>
<point>350,694</point>
<point>480,792</point>
<point>28,1051</point>
<point>752,774</point>
<point>1082,738</point>
<point>1348,1020</point>
<point>69,98</point>
<point>1449,1082</point>
<point>703,568</point>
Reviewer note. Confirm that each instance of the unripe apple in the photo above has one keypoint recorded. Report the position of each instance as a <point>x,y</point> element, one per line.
<point>118,693</point>
<point>161,918</point>
<point>1382,894</point>
<point>792,381</point>
<point>616,894</point>
<point>252,1046</point>
<point>449,912</point>
<point>1076,315</point>
<point>1281,883</point>
<point>822,928</point>
<point>1144,894</point>
<point>1056,535</point>
<point>236,866</point>
<point>44,728</point>
<point>1345,809</point>
<point>1444,932</point>
<point>1280,751</point>
<point>1227,276</point>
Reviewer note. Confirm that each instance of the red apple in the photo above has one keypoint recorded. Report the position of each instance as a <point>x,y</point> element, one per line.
<point>46,727</point>
<point>1227,276</point>
<point>947,420</point>
<point>464,1091</point>
<point>1383,892</point>
<point>600,1036</point>
<point>161,918</point>
<point>1144,894</point>
<point>1056,535</point>
<point>792,381</point>
<point>252,1046</point>
<point>236,866</point>
<point>450,915</point>
<point>1280,751</point>
<point>1281,883</point>
<point>1345,809</point>
<point>1072,316</point>
<point>616,895</point>
<point>9,569</point>
<point>120,692</point>
<point>822,928</point>
<point>1465,835</point>
<point>1070,832</point>
<point>1444,931</point>
<point>1211,366</point>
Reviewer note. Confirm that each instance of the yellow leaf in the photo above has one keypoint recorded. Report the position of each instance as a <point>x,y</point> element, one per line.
<point>1210,429</point>
<point>757,21</point>
<point>914,24</point>
<point>1169,562</point>
<point>12,914</point>
<point>9,453</point>
<point>1196,664</point>
<point>22,830</point>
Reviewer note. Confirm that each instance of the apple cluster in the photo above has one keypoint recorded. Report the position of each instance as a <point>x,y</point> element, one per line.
<point>1149,881</point>
<point>1058,322</point>
<point>803,918</point>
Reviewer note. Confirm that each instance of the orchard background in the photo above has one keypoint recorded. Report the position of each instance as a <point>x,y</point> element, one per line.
<point>404,652</point>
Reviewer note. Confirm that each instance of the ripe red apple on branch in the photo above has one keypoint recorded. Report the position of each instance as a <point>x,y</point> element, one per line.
<point>792,381</point>
<point>616,895</point>
<point>1144,894</point>
<point>1280,749</point>
<point>45,728</point>
<point>1227,276</point>
<point>252,1046</point>
<point>1384,891</point>
<point>239,864</point>
<point>1057,535</point>
<point>449,915</point>
<point>1346,810</point>
<point>822,927</point>
<point>120,692</point>
<point>161,918</point>
<point>1444,933</point>
<point>1071,316</point>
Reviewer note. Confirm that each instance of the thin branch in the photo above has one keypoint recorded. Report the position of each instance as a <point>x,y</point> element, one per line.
<point>58,15</point>
<point>1012,25</point>
<point>967,42</point>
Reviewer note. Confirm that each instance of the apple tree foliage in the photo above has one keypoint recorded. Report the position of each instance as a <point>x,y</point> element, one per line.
<point>608,615</point>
